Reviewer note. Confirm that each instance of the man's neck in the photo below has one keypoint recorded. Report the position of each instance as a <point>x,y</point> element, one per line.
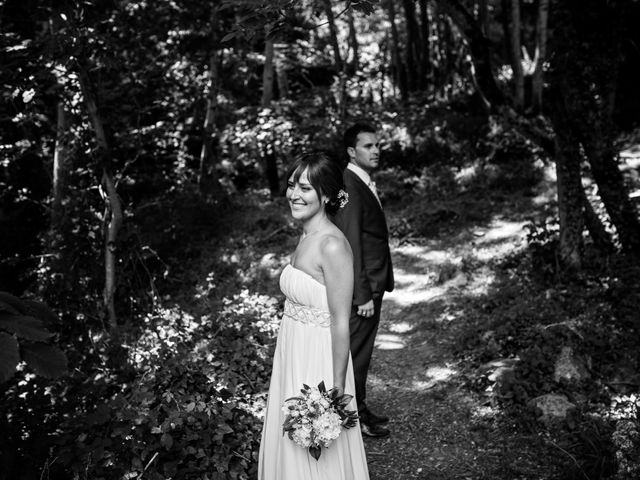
<point>358,169</point>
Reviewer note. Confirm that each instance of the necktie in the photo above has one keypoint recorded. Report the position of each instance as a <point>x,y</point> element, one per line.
<point>372,186</point>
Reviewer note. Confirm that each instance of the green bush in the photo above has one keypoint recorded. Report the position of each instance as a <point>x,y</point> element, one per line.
<point>190,409</point>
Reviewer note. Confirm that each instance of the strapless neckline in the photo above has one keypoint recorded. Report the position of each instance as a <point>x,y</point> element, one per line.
<point>306,274</point>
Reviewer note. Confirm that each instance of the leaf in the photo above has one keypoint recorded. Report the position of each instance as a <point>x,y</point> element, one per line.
<point>46,360</point>
<point>229,36</point>
<point>315,452</point>
<point>166,441</point>
<point>9,301</point>
<point>5,307</point>
<point>321,387</point>
<point>26,327</point>
<point>294,398</point>
<point>28,95</point>
<point>40,310</point>
<point>9,356</point>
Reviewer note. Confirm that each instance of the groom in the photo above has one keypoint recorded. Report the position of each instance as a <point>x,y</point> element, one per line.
<point>363,223</point>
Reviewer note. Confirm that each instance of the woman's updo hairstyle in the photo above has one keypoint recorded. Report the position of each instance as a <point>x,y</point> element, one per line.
<point>324,174</point>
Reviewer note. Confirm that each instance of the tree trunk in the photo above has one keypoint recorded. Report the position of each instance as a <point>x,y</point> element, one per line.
<point>113,215</point>
<point>599,235</point>
<point>333,35</point>
<point>60,165</point>
<point>411,56</point>
<point>586,56</point>
<point>282,79</point>
<point>425,58</point>
<point>480,50</point>
<point>569,187</point>
<point>267,73</point>
<point>516,56</point>
<point>271,169</point>
<point>540,55</point>
<point>207,178</point>
<point>341,94</point>
<point>506,30</point>
<point>400,76</point>
<point>612,190</point>
<point>353,41</point>
<point>483,16</point>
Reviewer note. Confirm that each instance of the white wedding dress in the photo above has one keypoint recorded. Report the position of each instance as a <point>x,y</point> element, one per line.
<point>303,356</point>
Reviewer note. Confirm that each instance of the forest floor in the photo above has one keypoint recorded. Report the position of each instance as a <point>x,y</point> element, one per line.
<point>440,429</point>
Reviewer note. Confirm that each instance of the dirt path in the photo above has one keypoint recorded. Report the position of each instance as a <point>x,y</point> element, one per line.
<point>441,430</point>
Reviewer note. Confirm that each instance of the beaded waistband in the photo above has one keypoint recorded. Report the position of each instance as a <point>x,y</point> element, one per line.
<point>307,315</point>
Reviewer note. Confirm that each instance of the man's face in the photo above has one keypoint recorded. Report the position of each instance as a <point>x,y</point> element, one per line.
<point>366,153</point>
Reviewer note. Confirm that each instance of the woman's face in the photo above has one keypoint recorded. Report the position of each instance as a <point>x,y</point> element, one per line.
<point>303,198</point>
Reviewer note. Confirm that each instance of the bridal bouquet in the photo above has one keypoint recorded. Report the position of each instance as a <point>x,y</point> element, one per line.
<point>315,418</point>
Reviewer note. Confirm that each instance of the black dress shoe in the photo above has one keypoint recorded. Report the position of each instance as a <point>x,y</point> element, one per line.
<point>375,431</point>
<point>371,418</point>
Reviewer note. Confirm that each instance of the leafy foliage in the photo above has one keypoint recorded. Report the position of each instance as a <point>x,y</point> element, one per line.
<point>192,408</point>
<point>23,337</point>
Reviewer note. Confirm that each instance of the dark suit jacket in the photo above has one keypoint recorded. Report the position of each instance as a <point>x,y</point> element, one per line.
<point>363,223</point>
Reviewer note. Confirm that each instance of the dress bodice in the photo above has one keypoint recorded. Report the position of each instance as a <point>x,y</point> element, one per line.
<point>306,297</point>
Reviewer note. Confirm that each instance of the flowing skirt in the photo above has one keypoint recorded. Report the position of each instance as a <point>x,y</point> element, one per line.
<point>303,356</point>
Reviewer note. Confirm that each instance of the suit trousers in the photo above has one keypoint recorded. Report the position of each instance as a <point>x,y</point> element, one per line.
<point>363,331</point>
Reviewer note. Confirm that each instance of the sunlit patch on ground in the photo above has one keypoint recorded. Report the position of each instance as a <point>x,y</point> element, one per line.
<point>435,375</point>
<point>389,341</point>
<point>401,327</point>
<point>483,412</point>
<point>499,240</point>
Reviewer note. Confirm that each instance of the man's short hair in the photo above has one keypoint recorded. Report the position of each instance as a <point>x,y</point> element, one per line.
<point>351,134</point>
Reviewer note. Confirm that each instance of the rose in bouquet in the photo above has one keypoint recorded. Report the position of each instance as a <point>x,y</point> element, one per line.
<point>315,418</point>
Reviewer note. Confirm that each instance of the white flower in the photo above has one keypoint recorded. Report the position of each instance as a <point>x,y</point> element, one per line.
<point>302,436</point>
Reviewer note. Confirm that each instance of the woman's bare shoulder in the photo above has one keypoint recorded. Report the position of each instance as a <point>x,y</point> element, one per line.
<point>334,243</point>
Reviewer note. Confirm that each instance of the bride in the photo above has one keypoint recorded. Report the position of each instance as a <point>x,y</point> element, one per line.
<point>313,341</point>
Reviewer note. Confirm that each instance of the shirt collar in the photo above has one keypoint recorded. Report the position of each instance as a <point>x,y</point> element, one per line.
<point>360,172</point>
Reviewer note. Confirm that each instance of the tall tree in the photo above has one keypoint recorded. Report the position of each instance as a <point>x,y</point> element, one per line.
<point>540,55</point>
<point>480,48</point>
<point>586,56</point>
<point>412,56</point>
<point>353,40</point>
<point>267,72</point>
<point>60,164</point>
<point>282,79</point>
<point>569,186</point>
<point>333,34</point>
<point>400,73</point>
<point>516,56</point>
<point>207,178</point>
<point>425,48</point>
<point>113,211</point>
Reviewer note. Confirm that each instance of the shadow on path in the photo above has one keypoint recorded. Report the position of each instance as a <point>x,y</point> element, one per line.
<point>440,429</point>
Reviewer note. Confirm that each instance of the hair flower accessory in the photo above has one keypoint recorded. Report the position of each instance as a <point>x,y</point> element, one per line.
<point>343,198</point>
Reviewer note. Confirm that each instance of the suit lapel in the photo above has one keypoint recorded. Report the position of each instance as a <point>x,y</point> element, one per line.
<point>369,194</point>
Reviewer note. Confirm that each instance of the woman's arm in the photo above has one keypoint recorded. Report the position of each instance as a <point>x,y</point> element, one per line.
<point>337,268</point>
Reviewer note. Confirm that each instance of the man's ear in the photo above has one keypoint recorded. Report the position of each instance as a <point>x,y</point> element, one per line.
<point>351,151</point>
